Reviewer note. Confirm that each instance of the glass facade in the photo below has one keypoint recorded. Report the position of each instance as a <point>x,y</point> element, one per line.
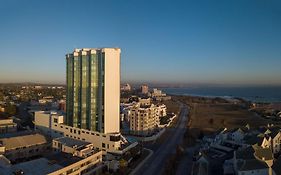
<point>85,90</point>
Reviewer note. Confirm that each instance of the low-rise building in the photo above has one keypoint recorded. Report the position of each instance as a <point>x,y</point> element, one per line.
<point>144,89</point>
<point>73,146</point>
<point>52,124</point>
<point>57,164</point>
<point>157,93</point>
<point>126,87</point>
<point>24,146</point>
<point>253,160</point>
<point>7,125</point>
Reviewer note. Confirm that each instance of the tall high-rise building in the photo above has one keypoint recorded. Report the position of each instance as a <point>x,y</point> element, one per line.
<point>93,89</point>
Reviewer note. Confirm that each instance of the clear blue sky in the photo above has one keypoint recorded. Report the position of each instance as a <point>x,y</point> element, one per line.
<point>214,41</point>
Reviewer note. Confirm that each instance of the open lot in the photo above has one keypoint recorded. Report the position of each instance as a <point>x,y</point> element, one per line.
<point>209,114</point>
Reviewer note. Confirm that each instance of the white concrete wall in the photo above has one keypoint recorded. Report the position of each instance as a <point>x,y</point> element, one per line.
<point>58,130</point>
<point>112,90</point>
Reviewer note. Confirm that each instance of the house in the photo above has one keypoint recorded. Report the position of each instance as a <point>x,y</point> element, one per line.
<point>201,166</point>
<point>237,135</point>
<point>221,136</point>
<point>253,160</point>
<point>276,140</point>
<point>249,167</point>
<point>276,168</point>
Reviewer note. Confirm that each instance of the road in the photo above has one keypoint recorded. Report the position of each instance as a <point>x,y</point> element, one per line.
<point>186,162</point>
<point>156,163</point>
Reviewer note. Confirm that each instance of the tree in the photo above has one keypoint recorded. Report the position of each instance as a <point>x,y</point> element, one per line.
<point>11,109</point>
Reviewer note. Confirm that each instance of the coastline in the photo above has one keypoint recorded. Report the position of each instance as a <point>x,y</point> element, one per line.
<point>251,94</point>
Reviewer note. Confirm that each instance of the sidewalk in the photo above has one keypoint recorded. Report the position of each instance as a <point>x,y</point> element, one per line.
<point>140,165</point>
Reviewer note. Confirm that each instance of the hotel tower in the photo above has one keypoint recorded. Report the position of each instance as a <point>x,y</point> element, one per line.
<point>93,89</point>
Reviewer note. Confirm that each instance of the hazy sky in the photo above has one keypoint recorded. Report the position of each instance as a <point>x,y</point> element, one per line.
<point>214,41</point>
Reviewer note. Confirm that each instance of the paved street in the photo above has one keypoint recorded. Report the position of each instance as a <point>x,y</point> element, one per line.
<point>184,167</point>
<point>155,165</point>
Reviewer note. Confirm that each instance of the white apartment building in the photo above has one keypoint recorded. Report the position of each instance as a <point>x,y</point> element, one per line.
<point>52,124</point>
<point>162,110</point>
<point>143,119</point>
<point>157,93</point>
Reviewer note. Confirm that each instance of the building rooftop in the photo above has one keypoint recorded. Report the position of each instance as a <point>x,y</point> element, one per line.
<point>23,141</point>
<point>70,142</point>
<point>253,165</point>
<point>247,153</point>
<point>63,159</point>
<point>34,167</point>
<point>263,153</point>
<point>41,166</point>
<point>16,134</point>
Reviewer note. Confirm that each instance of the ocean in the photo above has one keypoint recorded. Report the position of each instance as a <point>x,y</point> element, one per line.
<point>254,94</point>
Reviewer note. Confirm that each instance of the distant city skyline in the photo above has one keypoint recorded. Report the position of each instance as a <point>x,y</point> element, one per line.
<point>162,42</point>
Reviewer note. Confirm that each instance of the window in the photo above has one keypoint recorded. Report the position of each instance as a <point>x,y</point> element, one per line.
<point>103,145</point>
<point>55,120</point>
<point>115,138</point>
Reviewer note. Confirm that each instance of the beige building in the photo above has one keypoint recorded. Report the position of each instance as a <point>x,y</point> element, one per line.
<point>72,146</point>
<point>145,101</point>
<point>23,146</point>
<point>144,89</point>
<point>157,93</point>
<point>56,164</point>
<point>126,87</point>
<point>143,119</point>
<point>7,126</point>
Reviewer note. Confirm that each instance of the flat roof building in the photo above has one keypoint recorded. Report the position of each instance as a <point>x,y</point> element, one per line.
<point>23,146</point>
<point>55,164</point>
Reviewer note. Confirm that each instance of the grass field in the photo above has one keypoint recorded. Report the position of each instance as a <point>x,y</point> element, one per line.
<point>209,114</point>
